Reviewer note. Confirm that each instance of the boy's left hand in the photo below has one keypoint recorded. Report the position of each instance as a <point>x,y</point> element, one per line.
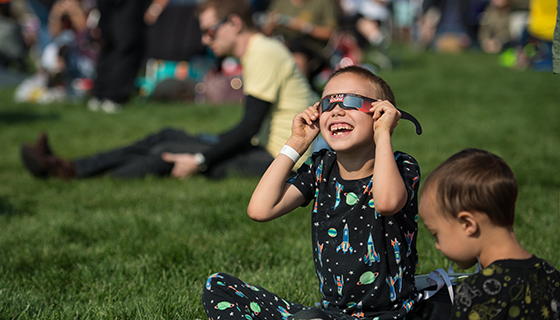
<point>385,117</point>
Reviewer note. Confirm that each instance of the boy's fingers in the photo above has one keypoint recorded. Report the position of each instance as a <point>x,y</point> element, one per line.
<point>377,113</point>
<point>382,107</point>
<point>315,109</point>
<point>313,116</point>
<point>311,113</point>
<point>307,119</point>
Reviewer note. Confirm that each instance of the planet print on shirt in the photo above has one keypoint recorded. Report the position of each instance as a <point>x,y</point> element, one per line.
<point>367,277</point>
<point>351,198</point>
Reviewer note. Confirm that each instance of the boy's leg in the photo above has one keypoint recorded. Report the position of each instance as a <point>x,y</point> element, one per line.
<point>320,314</point>
<point>225,296</point>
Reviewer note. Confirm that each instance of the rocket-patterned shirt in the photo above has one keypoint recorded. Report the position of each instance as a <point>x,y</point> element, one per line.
<point>365,262</point>
<point>510,289</point>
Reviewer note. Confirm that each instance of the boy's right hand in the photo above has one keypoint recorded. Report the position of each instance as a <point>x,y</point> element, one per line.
<point>305,128</point>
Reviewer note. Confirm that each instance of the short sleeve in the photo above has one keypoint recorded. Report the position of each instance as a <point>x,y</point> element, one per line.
<point>410,172</point>
<point>307,175</point>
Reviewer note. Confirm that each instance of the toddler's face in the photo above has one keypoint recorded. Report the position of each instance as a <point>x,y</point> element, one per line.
<point>448,232</point>
<point>345,129</point>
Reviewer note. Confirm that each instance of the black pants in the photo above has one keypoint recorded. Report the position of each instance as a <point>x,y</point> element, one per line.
<point>144,158</point>
<point>123,33</point>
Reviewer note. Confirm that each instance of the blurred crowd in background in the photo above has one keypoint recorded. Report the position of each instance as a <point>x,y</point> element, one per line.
<point>106,52</point>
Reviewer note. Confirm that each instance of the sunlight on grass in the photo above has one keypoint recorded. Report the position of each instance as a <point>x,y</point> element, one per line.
<point>104,249</point>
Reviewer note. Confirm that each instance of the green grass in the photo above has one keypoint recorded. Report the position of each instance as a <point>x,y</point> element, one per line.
<point>102,248</point>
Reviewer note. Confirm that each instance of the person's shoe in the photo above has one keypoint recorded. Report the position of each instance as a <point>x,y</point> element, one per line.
<point>46,165</point>
<point>110,106</point>
<point>60,168</point>
<point>42,144</point>
<point>33,162</point>
<point>94,104</point>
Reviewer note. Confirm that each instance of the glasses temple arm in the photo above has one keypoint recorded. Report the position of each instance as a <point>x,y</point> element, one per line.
<point>407,116</point>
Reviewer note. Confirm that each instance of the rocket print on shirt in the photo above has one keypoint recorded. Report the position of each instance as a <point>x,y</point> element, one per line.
<point>345,245</point>
<point>363,260</point>
<point>371,255</point>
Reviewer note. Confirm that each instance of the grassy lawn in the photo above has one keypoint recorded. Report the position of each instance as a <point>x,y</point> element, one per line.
<point>102,248</point>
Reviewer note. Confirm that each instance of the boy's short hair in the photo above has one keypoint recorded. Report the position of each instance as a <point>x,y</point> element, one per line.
<point>382,89</point>
<point>224,8</point>
<point>475,180</point>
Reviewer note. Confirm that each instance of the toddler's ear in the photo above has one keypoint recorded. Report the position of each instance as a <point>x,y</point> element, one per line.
<point>469,223</point>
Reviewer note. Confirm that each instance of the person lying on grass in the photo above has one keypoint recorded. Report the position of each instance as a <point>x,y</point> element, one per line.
<point>275,91</point>
<point>468,205</point>
<point>364,217</point>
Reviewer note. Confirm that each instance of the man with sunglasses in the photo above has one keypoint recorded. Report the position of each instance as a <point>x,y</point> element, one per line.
<point>274,88</point>
<point>275,92</point>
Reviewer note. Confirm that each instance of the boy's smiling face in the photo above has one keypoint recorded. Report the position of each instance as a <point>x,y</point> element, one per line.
<point>345,129</point>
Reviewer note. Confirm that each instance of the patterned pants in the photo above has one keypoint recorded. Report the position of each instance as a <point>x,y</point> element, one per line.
<point>226,297</point>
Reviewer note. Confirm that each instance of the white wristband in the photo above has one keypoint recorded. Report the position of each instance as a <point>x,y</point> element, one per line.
<point>290,153</point>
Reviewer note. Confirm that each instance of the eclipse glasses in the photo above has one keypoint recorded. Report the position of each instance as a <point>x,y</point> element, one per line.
<point>352,101</point>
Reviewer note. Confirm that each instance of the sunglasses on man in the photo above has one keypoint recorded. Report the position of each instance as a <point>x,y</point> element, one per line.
<point>352,101</point>
<point>211,31</point>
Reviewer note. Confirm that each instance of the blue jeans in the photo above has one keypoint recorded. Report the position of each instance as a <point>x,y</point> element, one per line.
<point>42,12</point>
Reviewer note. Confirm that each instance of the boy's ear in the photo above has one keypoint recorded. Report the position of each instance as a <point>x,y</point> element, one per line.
<point>468,223</point>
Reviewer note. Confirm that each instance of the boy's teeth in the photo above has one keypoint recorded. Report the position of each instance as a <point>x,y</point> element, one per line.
<point>336,128</point>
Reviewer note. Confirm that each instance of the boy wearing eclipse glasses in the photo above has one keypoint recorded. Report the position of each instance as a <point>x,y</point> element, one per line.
<point>364,216</point>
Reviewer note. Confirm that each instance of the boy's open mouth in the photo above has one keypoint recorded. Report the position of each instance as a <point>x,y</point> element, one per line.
<point>340,128</point>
